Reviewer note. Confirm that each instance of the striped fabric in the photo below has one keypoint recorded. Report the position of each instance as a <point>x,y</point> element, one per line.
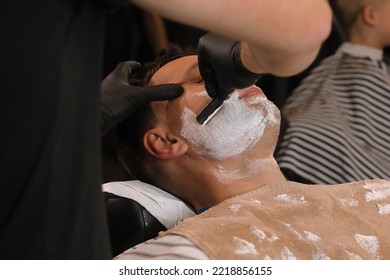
<point>170,247</point>
<point>339,120</point>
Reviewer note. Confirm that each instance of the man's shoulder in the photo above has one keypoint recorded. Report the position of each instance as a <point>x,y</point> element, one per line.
<point>174,247</point>
<point>361,184</point>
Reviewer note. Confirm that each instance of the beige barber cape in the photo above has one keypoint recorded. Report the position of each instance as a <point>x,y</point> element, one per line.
<point>287,220</point>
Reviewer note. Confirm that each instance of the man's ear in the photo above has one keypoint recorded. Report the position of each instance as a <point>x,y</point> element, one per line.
<point>164,145</point>
<point>368,15</point>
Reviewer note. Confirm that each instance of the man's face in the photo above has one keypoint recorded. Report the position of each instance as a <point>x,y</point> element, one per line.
<point>383,20</point>
<point>245,119</point>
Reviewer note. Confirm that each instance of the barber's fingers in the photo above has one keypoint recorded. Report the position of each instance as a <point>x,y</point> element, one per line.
<point>128,67</point>
<point>129,72</point>
<point>157,93</point>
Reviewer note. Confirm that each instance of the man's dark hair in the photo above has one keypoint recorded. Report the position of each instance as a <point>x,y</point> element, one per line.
<point>130,132</point>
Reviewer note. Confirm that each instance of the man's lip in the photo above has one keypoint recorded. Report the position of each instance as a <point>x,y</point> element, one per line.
<point>251,91</point>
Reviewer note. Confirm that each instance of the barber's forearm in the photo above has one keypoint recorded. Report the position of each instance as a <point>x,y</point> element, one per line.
<point>279,63</point>
<point>279,33</point>
<point>295,41</point>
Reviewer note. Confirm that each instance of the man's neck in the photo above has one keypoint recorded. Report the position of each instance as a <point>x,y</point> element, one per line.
<point>366,39</point>
<point>220,183</point>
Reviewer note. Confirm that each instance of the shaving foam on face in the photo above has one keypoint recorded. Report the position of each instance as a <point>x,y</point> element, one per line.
<point>236,128</point>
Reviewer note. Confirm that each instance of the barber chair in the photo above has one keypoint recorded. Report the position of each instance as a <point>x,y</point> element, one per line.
<point>129,223</point>
<point>137,212</point>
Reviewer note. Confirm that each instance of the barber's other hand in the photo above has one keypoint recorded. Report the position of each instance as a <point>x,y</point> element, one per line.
<point>120,96</point>
<point>221,67</point>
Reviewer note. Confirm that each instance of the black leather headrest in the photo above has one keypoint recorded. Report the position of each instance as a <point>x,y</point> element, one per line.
<point>129,223</point>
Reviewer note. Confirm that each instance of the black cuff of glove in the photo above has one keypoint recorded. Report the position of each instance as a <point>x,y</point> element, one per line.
<point>220,63</point>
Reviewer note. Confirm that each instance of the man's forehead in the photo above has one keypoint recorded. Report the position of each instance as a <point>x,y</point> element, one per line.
<point>176,71</point>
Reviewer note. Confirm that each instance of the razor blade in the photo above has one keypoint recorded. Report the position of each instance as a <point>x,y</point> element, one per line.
<point>210,111</point>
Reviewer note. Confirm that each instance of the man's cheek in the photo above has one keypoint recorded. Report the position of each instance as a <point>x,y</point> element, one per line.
<point>198,100</point>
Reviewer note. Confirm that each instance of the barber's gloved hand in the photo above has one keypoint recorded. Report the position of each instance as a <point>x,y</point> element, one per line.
<point>221,67</point>
<point>120,95</point>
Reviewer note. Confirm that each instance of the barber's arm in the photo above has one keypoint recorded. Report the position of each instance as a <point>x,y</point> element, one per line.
<point>279,37</point>
<point>120,96</point>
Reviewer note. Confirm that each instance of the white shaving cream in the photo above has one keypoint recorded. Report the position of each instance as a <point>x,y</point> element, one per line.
<point>289,199</point>
<point>353,256</point>
<point>244,247</point>
<point>383,209</point>
<point>235,207</point>
<point>250,167</point>
<point>290,227</point>
<point>258,202</point>
<point>369,243</point>
<point>311,236</point>
<point>349,202</point>
<point>237,127</point>
<point>261,234</point>
<point>258,233</point>
<point>378,190</point>
<point>286,254</point>
<point>319,255</point>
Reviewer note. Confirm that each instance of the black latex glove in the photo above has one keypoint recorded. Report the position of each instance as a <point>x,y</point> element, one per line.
<point>221,67</point>
<point>120,95</point>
